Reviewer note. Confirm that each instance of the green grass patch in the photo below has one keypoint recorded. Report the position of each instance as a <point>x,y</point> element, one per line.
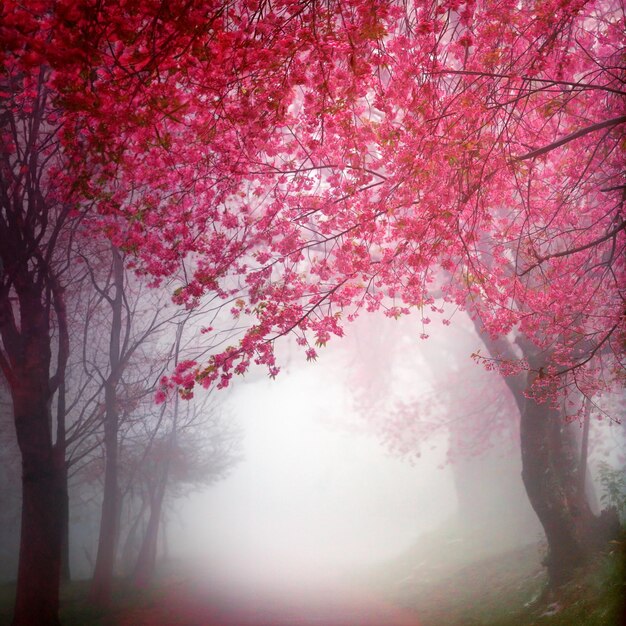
<point>76,608</point>
<point>7,599</point>
<point>508,589</point>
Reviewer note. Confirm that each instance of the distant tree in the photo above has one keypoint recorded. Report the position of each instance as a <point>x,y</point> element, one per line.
<point>417,399</point>
<point>200,448</point>
<point>124,324</point>
<point>131,335</point>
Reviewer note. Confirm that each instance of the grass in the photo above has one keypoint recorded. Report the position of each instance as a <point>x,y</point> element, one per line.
<point>508,589</point>
<point>76,608</point>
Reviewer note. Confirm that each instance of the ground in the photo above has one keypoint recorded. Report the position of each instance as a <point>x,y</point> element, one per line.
<point>503,590</point>
<point>508,589</point>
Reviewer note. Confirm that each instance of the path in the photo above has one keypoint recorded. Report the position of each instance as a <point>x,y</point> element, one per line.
<point>188,603</point>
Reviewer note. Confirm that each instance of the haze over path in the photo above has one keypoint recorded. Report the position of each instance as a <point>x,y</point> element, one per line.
<point>192,602</point>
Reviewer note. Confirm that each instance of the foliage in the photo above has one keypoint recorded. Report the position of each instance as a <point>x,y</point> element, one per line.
<point>315,160</point>
<point>613,482</point>
<point>304,162</point>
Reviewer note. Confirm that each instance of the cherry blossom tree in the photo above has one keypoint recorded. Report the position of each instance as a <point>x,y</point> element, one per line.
<point>481,138</point>
<point>318,160</point>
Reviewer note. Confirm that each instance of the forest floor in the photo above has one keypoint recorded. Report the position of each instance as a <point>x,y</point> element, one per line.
<point>507,589</point>
<point>502,590</point>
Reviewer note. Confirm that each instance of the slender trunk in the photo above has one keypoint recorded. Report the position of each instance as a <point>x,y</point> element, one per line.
<point>65,498</point>
<point>147,555</point>
<point>566,459</point>
<point>130,551</point>
<point>37,596</point>
<point>66,574</point>
<point>146,561</point>
<point>102,582</point>
<point>165,545</point>
<point>584,449</point>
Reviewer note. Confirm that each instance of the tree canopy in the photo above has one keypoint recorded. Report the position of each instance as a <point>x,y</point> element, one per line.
<point>307,161</point>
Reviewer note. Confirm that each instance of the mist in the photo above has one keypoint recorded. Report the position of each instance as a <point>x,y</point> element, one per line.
<point>337,490</point>
<point>354,487</point>
<point>312,496</point>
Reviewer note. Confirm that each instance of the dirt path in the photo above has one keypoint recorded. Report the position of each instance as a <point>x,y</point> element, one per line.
<point>187,603</point>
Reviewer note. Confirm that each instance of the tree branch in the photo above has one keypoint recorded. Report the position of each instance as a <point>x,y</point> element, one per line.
<point>579,133</point>
<point>591,244</point>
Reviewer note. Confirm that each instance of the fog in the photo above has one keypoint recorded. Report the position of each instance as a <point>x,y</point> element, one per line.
<point>388,465</point>
<point>311,496</point>
<point>323,491</point>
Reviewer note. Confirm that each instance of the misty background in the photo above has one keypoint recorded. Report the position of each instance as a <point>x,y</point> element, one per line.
<point>342,464</point>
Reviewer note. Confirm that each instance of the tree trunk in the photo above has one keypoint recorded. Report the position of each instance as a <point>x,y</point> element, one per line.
<point>102,583</point>
<point>147,555</point>
<point>131,549</point>
<point>37,596</point>
<point>31,222</point>
<point>144,570</point>
<point>540,432</point>
<point>566,453</point>
<point>549,467</point>
<point>66,574</point>
<point>584,449</point>
<point>65,503</point>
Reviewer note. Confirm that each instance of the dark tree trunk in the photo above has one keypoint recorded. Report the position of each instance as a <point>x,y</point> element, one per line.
<point>37,596</point>
<point>105,561</point>
<point>32,389</point>
<point>65,503</point>
<point>549,468</point>
<point>102,582</point>
<point>539,432</point>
